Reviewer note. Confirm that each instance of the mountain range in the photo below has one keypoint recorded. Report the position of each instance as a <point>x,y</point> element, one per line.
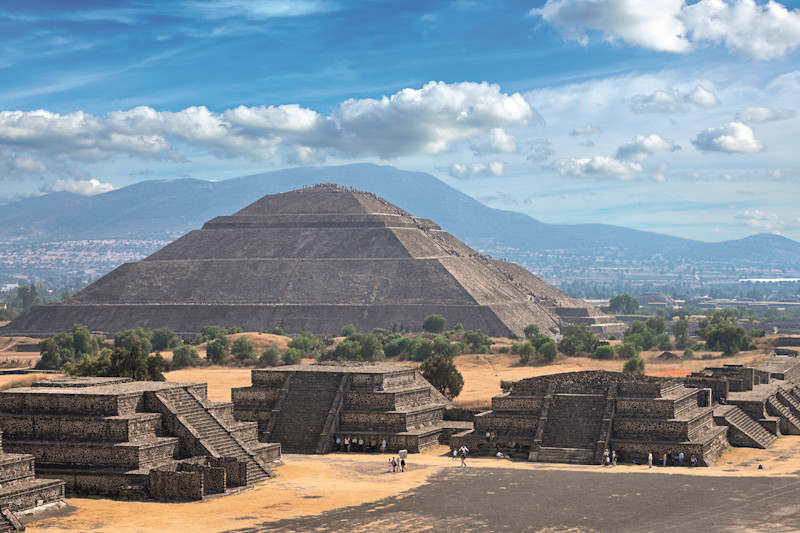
<point>164,210</point>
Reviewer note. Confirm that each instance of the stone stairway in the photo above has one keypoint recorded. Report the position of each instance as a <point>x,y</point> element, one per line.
<point>574,421</point>
<point>786,398</point>
<point>792,423</point>
<point>572,456</point>
<point>737,419</point>
<point>302,419</point>
<point>215,436</point>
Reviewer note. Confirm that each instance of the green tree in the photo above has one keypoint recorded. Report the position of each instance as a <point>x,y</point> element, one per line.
<point>164,339</point>
<point>663,342</point>
<point>604,351</point>
<point>209,333</point>
<point>442,373</point>
<point>443,346</point>
<point>306,342</point>
<point>420,349</point>
<point>243,348</point>
<point>634,364</point>
<point>530,331</point>
<point>627,350</point>
<point>681,331</point>
<point>348,350</point>
<point>623,304</point>
<point>434,323</point>
<point>477,341</point>
<point>657,324</point>
<point>184,355</point>
<point>526,351</point>
<point>547,351</point>
<point>292,356</point>
<point>126,339</point>
<point>577,339</point>
<point>271,356</point>
<point>348,330</point>
<point>277,330</point>
<point>27,297</point>
<point>217,350</point>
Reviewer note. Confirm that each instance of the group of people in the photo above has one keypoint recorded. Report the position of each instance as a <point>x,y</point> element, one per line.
<point>395,463</point>
<point>610,458</point>
<point>358,444</point>
<point>490,436</point>
<point>670,458</point>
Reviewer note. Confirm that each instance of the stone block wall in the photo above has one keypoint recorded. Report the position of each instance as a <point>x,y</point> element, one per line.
<point>173,485</point>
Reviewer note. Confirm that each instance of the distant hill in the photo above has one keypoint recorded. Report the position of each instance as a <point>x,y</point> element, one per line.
<point>164,210</point>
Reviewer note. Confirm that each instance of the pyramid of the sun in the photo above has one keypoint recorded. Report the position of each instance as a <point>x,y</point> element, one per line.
<point>315,259</point>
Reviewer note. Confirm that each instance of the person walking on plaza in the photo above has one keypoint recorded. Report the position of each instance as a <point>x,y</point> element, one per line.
<point>383,445</point>
<point>455,454</point>
<point>402,465</point>
<point>681,457</point>
<point>650,460</point>
<point>613,458</point>
<point>463,458</point>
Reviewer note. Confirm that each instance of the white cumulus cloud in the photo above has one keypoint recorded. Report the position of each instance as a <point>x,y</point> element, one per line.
<point>642,147</point>
<point>733,137</point>
<point>85,187</point>
<point>434,119</point>
<point>598,167</point>
<point>759,31</point>
<point>477,170</point>
<point>671,100</point>
<point>762,114</point>
<point>763,221</point>
<point>588,129</point>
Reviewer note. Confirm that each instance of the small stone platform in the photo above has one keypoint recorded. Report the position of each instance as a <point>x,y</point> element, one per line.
<point>306,407</point>
<point>134,439</point>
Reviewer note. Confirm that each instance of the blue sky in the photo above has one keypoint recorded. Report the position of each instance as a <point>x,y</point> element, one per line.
<point>664,115</point>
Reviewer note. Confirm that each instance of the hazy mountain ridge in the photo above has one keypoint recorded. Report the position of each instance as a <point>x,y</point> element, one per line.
<point>164,210</point>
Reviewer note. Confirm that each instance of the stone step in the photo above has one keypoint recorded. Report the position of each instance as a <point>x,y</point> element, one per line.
<point>576,456</point>
<point>735,417</point>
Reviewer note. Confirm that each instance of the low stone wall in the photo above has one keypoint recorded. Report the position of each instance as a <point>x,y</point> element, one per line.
<point>527,404</point>
<point>460,414</point>
<point>263,397</point>
<point>169,485</point>
<point>30,496</point>
<point>124,455</point>
<point>16,466</point>
<point>267,378</point>
<point>96,429</point>
<point>507,424</point>
<point>645,408</point>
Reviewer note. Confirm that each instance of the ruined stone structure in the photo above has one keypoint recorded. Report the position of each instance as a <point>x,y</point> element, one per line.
<point>574,417</point>
<point>134,439</point>
<point>316,259</point>
<point>305,407</point>
<point>21,492</point>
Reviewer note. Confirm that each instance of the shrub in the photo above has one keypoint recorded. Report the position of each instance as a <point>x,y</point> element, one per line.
<point>627,350</point>
<point>292,356</point>
<point>699,346</point>
<point>442,373</point>
<point>688,353</point>
<point>217,350</point>
<point>184,355</point>
<point>634,364</point>
<point>577,339</point>
<point>271,356</point>
<point>477,341</point>
<point>348,350</point>
<point>506,385</point>
<point>305,342</point>
<point>530,331</point>
<point>164,339</point>
<point>548,352</point>
<point>757,332</point>
<point>434,323</point>
<point>126,339</point>
<point>243,348</point>
<point>604,351</point>
<point>663,341</point>
<point>277,330</point>
<point>526,351</point>
<point>348,330</point>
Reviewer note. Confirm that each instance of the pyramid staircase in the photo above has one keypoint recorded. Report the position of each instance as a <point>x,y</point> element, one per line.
<point>302,420</point>
<point>217,439</point>
<point>790,424</point>
<point>747,430</point>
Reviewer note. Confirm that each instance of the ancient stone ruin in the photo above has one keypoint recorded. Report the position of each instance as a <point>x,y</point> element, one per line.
<point>134,439</point>
<point>21,493</point>
<point>316,259</point>
<point>574,417</point>
<point>305,407</point>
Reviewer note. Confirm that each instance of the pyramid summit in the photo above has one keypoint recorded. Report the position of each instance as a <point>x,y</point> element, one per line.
<point>315,259</point>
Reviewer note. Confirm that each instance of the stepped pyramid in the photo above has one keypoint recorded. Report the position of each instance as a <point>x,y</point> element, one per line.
<point>315,259</point>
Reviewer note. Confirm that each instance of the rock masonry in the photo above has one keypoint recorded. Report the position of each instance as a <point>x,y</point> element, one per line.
<point>134,439</point>
<point>306,407</point>
<point>574,417</point>
<point>316,259</point>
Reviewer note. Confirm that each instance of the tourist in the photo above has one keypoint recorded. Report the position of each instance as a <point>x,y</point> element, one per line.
<point>488,436</point>
<point>390,464</point>
<point>463,457</point>
<point>693,460</point>
<point>347,444</point>
<point>402,465</point>
<point>373,445</point>
<point>613,458</point>
<point>650,460</point>
<point>493,436</point>
<point>622,455</point>
<point>339,443</point>
<point>680,459</point>
<point>664,458</point>
<point>383,445</point>
<point>455,454</point>
<point>394,465</point>
<point>667,457</point>
<point>361,444</point>
<point>605,458</point>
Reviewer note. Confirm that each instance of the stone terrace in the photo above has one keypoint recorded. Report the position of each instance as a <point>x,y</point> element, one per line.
<point>134,439</point>
<point>573,417</point>
<point>305,407</point>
